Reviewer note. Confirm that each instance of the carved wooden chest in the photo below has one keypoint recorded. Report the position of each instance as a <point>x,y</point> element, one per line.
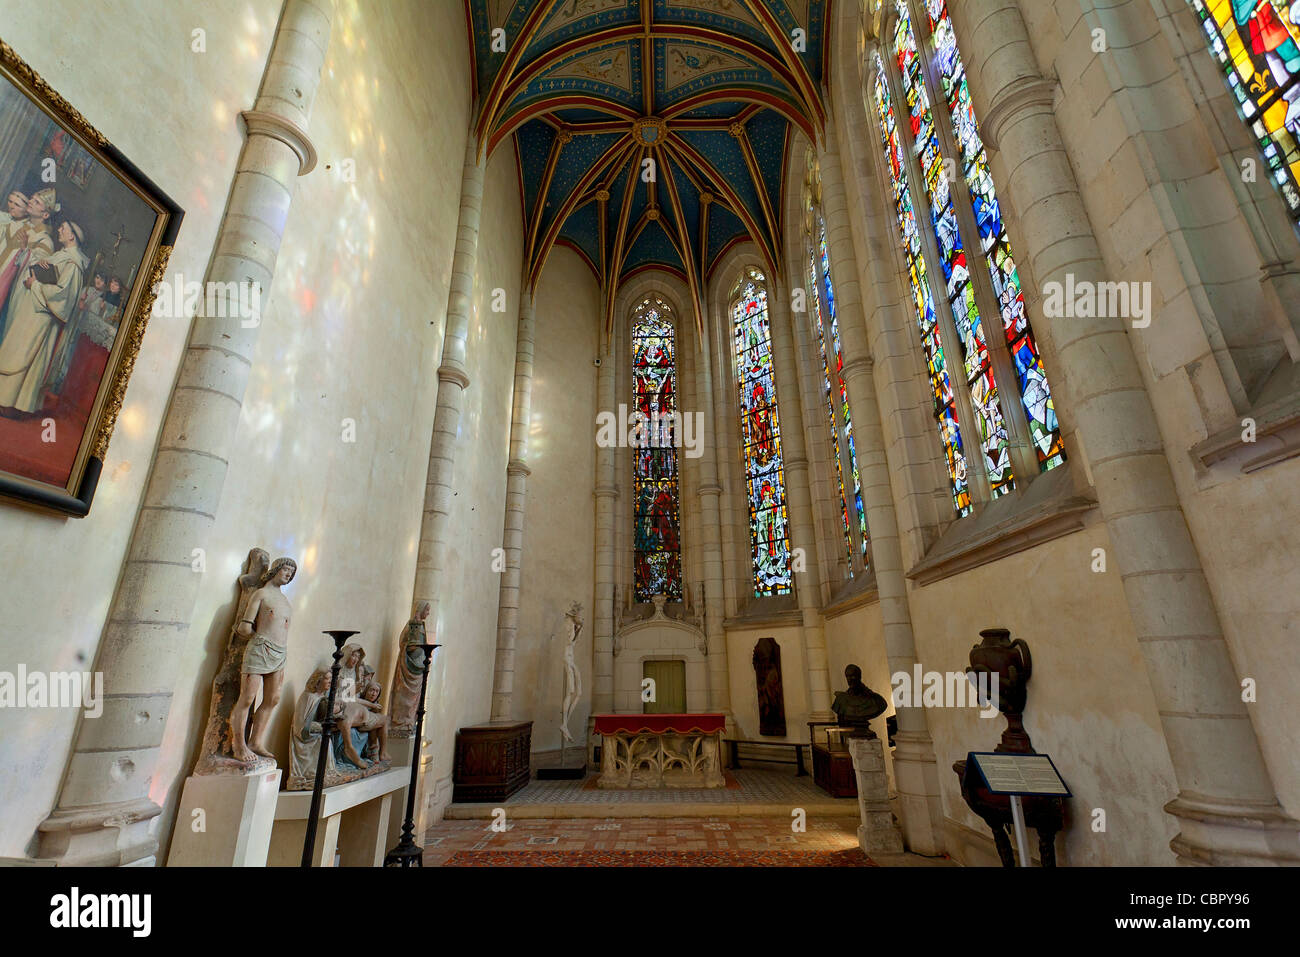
<point>491,760</point>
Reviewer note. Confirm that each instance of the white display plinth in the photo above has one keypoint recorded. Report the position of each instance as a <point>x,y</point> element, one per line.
<point>354,820</point>
<point>233,825</point>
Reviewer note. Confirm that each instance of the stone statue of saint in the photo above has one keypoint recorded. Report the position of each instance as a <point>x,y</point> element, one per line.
<point>265,622</point>
<point>216,756</point>
<point>856,707</point>
<point>572,677</point>
<point>407,674</point>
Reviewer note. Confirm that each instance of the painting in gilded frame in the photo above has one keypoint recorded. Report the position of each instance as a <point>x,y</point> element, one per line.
<point>84,238</point>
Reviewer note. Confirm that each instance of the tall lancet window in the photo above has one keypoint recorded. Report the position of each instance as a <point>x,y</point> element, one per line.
<point>934,149</point>
<point>657,533</point>
<point>822,292</point>
<point>1255,43</point>
<point>760,431</point>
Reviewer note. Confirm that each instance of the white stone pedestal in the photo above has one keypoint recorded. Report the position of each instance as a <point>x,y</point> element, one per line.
<point>879,832</point>
<point>353,820</point>
<point>401,751</point>
<point>238,813</point>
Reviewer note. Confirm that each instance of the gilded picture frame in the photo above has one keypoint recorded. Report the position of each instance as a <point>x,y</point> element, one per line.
<point>85,238</point>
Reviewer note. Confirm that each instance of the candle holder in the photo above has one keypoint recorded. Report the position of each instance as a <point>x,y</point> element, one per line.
<point>327,728</point>
<point>407,853</point>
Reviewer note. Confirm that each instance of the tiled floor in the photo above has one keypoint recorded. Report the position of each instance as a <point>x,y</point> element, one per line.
<point>640,834</point>
<point>761,792</point>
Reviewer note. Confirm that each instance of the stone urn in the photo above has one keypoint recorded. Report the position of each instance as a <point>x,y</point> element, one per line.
<point>997,656</point>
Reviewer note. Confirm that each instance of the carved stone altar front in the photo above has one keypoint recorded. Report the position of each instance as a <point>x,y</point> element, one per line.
<point>660,751</point>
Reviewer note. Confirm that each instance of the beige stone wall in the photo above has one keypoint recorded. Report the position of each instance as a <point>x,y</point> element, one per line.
<point>559,524</point>
<point>353,330</point>
<point>1090,702</point>
<point>57,595</point>
<point>460,692</point>
<point>1166,210</point>
<point>1104,732</point>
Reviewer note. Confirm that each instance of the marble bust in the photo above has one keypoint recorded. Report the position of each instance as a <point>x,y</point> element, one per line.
<point>856,707</point>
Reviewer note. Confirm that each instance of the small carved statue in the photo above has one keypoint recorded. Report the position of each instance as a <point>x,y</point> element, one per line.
<point>856,707</point>
<point>572,677</point>
<point>265,622</point>
<point>407,674</point>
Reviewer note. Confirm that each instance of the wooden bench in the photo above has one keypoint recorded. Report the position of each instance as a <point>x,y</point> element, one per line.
<point>733,745</point>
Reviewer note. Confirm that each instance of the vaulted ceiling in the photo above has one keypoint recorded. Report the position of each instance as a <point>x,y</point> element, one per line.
<point>649,133</point>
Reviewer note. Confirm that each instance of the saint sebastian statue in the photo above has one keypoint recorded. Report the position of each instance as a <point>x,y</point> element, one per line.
<point>266,623</point>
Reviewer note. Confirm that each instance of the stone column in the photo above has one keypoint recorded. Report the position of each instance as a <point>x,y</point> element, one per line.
<point>802,534</point>
<point>602,683</point>
<point>453,380</point>
<point>104,810</point>
<point>1226,807</point>
<point>733,535</point>
<point>916,773</point>
<point>517,473</point>
<point>710,538</point>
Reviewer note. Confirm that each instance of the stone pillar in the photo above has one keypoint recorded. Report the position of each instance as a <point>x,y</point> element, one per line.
<point>453,380</point>
<point>802,533</point>
<point>517,473</point>
<point>602,683</point>
<point>104,810</point>
<point>916,773</point>
<point>733,531</point>
<point>1226,807</point>
<point>710,538</point>
<point>878,832</point>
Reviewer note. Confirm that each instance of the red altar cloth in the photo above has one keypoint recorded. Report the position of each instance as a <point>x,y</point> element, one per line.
<point>659,723</point>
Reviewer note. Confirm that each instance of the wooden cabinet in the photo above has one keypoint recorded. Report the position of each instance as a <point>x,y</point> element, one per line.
<point>491,760</point>
<point>833,772</point>
<point>832,764</point>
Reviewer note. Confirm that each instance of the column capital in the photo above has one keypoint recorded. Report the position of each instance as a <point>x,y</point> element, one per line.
<point>712,488</point>
<point>261,123</point>
<point>606,491</point>
<point>1013,99</point>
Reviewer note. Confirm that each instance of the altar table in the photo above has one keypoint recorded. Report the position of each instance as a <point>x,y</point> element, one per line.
<point>660,750</point>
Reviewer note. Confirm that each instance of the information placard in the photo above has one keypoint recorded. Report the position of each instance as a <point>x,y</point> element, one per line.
<point>1023,774</point>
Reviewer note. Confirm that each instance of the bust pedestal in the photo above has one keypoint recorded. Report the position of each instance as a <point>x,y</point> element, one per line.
<point>879,832</point>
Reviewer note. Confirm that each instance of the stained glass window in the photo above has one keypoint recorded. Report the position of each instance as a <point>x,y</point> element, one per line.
<point>760,431</point>
<point>657,534</point>
<point>1256,44</point>
<point>914,126</point>
<point>836,390</point>
<point>945,408</point>
<point>829,398</point>
<point>1035,395</point>
<point>985,400</point>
